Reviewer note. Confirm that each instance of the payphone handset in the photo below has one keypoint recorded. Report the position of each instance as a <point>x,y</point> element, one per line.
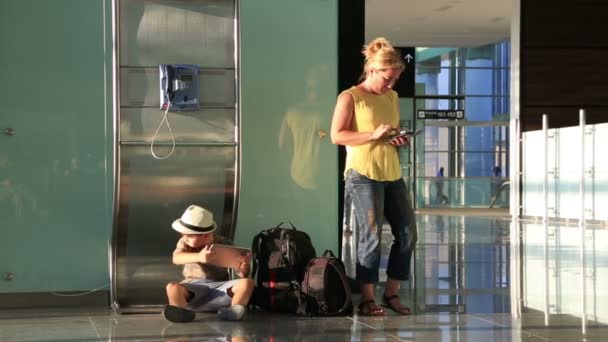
<point>179,87</point>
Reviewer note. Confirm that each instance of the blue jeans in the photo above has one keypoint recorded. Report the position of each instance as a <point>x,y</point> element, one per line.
<point>372,201</point>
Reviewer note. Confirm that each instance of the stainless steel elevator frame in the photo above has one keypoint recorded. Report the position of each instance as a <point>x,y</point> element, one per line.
<point>226,219</point>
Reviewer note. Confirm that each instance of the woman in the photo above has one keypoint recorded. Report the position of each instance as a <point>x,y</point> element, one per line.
<point>365,117</point>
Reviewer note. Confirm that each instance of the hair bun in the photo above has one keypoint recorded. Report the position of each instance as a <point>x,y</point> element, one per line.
<point>380,54</point>
<point>376,45</point>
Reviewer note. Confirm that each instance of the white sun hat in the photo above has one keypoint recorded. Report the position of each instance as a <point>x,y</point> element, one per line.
<point>195,220</point>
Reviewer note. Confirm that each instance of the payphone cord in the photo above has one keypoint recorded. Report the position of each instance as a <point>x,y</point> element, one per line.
<point>156,133</point>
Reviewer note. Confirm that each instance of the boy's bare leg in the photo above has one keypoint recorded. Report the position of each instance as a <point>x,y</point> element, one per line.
<point>177,294</point>
<point>176,311</point>
<point>241,291</point>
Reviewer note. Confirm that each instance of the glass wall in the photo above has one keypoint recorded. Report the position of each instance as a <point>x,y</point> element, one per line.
<point>565,152</point>
<point>463,163</point>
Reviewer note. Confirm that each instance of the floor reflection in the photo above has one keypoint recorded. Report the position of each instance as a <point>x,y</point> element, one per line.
<point>462,265</point>
<point>564,270</point>
<point>476,279</point>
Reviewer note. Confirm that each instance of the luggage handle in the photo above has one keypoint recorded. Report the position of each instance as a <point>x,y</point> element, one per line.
<point>329,254</point>
<point>291,224</point>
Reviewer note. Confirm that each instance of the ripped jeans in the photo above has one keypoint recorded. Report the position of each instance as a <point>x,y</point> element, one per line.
<point>371,202</point>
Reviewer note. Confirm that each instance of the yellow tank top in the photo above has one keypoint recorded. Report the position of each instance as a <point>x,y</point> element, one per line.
<point>377,160</point>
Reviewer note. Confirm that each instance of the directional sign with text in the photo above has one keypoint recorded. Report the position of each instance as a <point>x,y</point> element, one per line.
<point>439,114</point>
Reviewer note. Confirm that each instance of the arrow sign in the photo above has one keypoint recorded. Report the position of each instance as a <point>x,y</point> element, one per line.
<point>405,87</point>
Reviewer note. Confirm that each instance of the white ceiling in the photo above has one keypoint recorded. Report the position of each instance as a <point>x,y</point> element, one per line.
<point>438,23</point>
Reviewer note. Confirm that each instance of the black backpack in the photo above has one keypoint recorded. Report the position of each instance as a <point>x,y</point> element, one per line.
<point>325,290</point>
<point>280,256</point>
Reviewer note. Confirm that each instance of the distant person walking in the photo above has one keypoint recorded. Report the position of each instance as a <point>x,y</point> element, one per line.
<point>440,197</point>
<point>496,182</point>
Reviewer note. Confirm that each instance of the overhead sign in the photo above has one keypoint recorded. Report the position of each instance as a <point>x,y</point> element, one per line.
<point>405,86</point>
<point>440,114</point>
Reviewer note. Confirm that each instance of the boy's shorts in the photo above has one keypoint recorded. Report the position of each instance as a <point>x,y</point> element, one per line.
<point>209,295</point>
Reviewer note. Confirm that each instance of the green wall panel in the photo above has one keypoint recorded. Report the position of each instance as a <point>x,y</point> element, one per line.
<point>55,172</point>
<point>289,86</point>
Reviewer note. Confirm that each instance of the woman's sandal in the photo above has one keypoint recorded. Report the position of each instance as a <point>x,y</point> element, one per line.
<point>389,302</point>
<point>369,308</point>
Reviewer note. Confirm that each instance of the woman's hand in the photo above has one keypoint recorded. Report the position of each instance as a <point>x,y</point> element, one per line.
<point>399,141</point>
<point>381,131</point>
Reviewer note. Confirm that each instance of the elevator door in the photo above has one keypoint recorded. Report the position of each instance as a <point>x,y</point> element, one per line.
<point>201,147</point>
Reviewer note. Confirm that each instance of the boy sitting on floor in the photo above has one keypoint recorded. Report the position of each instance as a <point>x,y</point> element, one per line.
<point>206,287</point>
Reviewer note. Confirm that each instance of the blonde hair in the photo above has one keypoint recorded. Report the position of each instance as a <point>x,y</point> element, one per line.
<point>380,54</point>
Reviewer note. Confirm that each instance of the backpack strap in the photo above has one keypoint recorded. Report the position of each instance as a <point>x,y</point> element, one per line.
<point>344,279</point>
<point>338,266</point>
<point>294,285</point>
<point>285,254</point>
<point>303,306</point>
<point>255,251</point>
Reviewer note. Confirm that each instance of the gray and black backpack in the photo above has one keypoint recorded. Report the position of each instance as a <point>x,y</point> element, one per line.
<point>280,256</point>
<point>325,290</point>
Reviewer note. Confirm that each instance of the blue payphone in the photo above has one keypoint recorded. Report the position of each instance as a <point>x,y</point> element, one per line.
<point>179,87</point>
<point>179,92</point>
